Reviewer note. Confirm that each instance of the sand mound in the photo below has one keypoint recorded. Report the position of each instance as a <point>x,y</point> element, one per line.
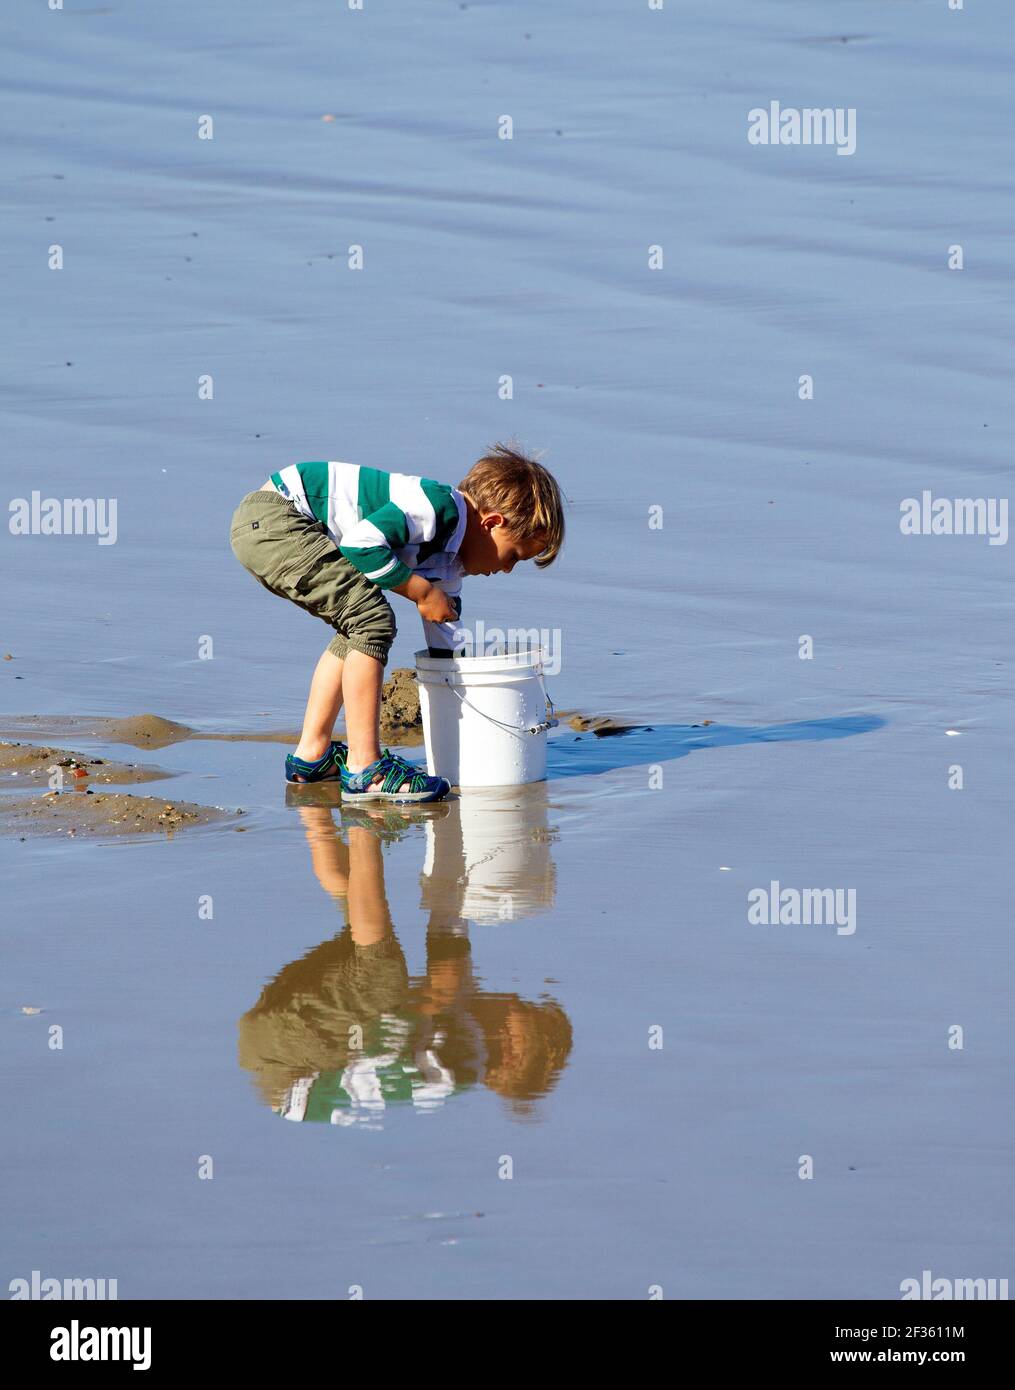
<point>38,761</point>
<point>401,721</point>
<point>87,814</point>
<point>599,724</point>
<point>144,731</point>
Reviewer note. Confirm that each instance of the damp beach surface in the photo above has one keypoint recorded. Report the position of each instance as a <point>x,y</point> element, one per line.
<point>583,1071</point>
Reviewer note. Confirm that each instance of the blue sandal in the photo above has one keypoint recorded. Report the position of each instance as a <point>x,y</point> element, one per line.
<point>399,780</point>
<point>326,769</point>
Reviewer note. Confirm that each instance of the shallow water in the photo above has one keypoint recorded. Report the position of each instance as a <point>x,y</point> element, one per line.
<point>612,899</point>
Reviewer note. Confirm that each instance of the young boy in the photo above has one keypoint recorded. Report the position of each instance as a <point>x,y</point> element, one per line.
<point>333,537</point>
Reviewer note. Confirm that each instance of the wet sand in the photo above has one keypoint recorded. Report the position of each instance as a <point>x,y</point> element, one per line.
<point>31,762</point>
<point>400,723</point>
<point>105,814</point>
<point>66,810</point>
<point>72,808</point>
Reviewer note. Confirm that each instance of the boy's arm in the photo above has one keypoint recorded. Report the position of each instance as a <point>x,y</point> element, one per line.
<point>442,638</point>
<point>434,603</point>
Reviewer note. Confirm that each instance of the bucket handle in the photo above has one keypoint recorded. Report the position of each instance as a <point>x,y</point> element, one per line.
<point>550,723</point>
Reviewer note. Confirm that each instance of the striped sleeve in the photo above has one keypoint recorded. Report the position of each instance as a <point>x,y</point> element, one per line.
<point>369,545</point>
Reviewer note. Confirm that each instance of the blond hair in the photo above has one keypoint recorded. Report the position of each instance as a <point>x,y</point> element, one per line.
<point>526,494</point>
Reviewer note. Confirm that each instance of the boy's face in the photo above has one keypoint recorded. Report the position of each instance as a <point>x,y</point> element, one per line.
<point>488,547</point>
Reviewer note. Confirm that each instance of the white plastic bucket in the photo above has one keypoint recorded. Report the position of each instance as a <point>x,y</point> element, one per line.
<point>484,718</point>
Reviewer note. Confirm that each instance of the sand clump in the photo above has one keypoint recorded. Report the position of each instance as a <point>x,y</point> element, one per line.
<point>602,725</point>
<point>34,761</point>
<point>140,730</point>
<point>401,720</point>
<point>90,814</point>
<point>145,731</point>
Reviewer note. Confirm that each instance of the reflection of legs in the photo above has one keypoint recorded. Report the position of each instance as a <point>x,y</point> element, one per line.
<point>369,917</point>
<point>328,853</point>
<point>323,704</point>
<point>355,873</point>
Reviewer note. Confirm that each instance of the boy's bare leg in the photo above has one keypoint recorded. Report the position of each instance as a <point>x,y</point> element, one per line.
<point>362,680</point>
<point>323,704</point>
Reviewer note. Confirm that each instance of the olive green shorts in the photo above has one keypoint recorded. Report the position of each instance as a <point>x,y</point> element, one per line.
<point>296,559</point>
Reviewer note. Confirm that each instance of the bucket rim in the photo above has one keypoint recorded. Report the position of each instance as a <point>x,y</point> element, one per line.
<point>508,661</point>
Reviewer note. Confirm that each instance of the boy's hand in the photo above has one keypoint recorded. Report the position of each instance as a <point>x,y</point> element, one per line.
<point>436,607</point>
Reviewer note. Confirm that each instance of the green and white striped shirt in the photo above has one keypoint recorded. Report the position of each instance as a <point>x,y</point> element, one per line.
<point>389,525</point>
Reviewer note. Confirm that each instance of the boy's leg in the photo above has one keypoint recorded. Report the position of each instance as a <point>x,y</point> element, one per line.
<point>365,630</point>
<point>323,704</point>
<point>362,680</point>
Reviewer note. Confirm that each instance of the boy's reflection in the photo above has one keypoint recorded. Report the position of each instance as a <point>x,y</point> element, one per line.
<point>346,1031</point>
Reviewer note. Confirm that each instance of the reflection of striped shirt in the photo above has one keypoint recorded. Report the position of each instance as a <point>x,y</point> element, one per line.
<point>389,525</point>
<point>373,1081</point>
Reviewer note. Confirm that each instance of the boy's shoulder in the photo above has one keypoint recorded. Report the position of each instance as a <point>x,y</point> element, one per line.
<point>414,492</point>
<point>368,470</point>
<point>369,489</point>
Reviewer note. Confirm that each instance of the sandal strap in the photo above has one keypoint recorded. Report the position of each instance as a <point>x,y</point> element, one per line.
<point>320,764</point>
<point>397,772</point>
<point>314,771</point>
